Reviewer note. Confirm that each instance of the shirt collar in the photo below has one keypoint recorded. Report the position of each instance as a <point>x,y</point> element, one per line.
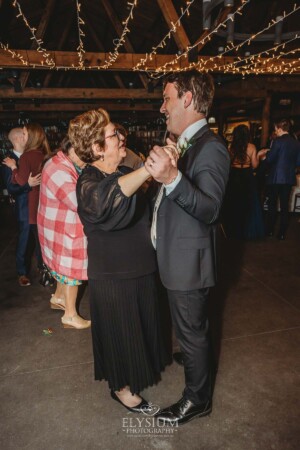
<point>18,154</point>
<point>190,131</point>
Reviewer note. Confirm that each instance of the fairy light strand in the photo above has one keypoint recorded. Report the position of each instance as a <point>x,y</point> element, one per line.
<point>121,40</point>
<point>162,43</point>
<point>252,64</point>
<point>14,54</point>
<point>49,61</point>
<point>201,41</point>
<point>80,48</point>
<point>254,36</point>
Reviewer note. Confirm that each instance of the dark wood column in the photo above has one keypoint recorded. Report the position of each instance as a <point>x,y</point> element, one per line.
<point>265,122</point>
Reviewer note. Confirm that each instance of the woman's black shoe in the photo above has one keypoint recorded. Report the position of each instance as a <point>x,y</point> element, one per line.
<point>144,406</point>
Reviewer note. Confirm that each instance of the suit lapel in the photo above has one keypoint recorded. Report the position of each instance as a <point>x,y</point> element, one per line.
<point>182,162</point>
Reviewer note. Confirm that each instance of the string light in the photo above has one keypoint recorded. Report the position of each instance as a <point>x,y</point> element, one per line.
<point>250,59</point>
<point>252,64</point>
<point>49,61</point>
<point>201,41</point>
<point>119,42</point>
<point>162,43</point>
<point>14,54</point>
<point>254,36</point>
<point>80,48</point>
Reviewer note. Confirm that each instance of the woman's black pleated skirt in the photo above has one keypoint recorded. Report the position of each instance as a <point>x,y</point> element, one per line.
<point>127,341</point>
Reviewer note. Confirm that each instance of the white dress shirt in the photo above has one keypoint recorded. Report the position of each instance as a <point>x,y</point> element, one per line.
<point>183,139</point>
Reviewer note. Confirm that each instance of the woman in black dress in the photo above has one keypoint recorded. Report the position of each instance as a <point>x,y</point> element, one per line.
<point>128,349</point>
<point>242,211</point>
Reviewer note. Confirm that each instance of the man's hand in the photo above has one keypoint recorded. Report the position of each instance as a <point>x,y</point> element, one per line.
<point>160,165</point>
<point>34,181</point>
<point>10,162</point>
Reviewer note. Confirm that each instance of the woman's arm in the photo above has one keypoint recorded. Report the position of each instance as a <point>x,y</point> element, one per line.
<point>253,156</point>
<point>130,183</point>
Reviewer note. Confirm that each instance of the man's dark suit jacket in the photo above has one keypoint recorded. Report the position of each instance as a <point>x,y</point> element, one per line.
<point>186,219</point>
<point>19,193</point>
<point>282,160</point>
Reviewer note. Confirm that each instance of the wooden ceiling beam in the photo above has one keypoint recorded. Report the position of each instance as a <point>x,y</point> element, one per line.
<point>39,35</point>
<point>125,61</point>
<point>61,42</point>
<point>244,91</point>
<point>119,30</point>
<point>78,93</point>
<point>35,107</point>
<point>171,17</point>
<point>100,46</point>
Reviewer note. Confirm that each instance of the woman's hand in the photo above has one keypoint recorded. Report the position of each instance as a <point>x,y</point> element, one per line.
<point>262,153</point>
<point>34,181</point>
<point>10,162</point>
<point>172,152</point>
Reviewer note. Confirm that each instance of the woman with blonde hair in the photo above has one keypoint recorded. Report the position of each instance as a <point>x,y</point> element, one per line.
<point>30,163</point>
<point>127,344</point>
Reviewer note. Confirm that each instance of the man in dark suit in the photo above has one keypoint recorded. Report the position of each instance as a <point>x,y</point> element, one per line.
<point>184,229</point>
<point>19,194</point>
<point>281,162</point>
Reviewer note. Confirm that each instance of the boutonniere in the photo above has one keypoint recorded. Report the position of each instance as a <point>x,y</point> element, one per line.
<point>185,145</point>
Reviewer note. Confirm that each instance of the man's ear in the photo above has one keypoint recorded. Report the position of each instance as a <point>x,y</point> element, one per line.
<point>188,99</point>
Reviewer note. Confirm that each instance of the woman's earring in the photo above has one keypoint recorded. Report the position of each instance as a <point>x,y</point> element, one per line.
<point>101,157</point>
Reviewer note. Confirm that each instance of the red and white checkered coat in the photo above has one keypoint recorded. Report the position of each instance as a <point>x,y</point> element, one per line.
<point>63,243</point>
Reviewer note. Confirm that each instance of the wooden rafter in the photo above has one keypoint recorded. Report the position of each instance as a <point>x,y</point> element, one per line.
<point>39,34</point>
<point>248,90</point>
<point>222,16</point>
<point>100,46</point>
<point>125,61</point>
<point>171,16</point>
<point>61,42</point>
<point>119,29</point>
<point>52,107</point>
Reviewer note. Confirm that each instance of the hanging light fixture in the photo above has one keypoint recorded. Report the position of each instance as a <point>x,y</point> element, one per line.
<point>206,21</point>
<point>230,28</point>
<point>278,30</point>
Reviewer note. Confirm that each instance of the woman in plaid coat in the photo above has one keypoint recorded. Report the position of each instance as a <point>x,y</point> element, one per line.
<point>61,235</point>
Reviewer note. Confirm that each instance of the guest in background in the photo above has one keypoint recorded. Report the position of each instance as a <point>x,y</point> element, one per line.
<point>61,235</point>
<point>128,348</point>
<point>242,211</point>
<point>19,195</point>
<point>30,162</point>
<point>281,161</point>
<point>131,160</point>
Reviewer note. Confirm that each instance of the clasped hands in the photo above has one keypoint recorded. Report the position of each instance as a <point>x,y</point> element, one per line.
<point>32,181</point>
<point>162,162</point>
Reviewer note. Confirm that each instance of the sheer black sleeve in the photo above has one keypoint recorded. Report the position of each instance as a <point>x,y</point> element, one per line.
<point>101,201</point>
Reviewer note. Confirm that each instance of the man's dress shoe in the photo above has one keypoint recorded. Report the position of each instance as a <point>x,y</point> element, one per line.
<point>178,357</point>
<point>183,411</point>
<point>143,406</point>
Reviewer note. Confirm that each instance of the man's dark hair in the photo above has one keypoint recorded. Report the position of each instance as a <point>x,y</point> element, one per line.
<point>201,85</point>
<point>284,124</point>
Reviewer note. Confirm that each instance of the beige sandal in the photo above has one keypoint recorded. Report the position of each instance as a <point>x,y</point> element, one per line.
<point>75,322</point>
<point>57,303</point>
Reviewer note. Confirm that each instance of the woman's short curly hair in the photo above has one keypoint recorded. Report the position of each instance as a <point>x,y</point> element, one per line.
<point>88,129</point>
